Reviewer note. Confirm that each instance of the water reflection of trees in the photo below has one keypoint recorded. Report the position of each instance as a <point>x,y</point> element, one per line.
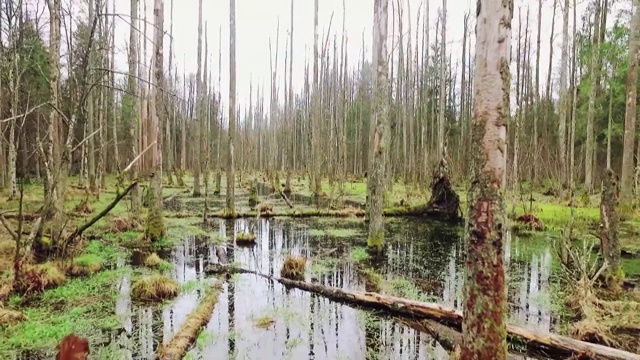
<point>310,326</point>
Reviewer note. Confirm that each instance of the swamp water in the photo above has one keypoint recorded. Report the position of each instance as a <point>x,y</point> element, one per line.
<point>258,319</point>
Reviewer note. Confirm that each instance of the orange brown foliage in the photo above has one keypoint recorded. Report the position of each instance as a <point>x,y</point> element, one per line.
<point>73,347</point>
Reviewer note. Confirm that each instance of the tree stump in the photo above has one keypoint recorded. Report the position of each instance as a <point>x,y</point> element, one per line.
<point>444,202</point>
<point>609,244</point>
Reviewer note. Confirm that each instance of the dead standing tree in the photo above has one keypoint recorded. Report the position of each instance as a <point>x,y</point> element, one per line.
<point>380,112</point>
<point>484,328</point>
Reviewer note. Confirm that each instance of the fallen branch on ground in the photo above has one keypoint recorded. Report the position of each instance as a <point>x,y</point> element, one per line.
<point>178,346</point>
<point>26,217</point>
<point>551,345</point>
<point>79,230</point>
<point>172,196</point>
<point>286,199</point>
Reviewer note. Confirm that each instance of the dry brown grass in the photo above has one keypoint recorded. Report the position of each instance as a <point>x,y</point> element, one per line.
<point>10,317</point>
<point>293,268</point>
<point>153,260</point>
<point>606,317</point>
<point>120,225</point>
<point>51,275</point>
<point>264,322</point>
<point>84,207</point>
<point>243,238</point>
<point>188,333</point>
<point>6,286</point>
<point>7,253</point>
<point>155,288</point>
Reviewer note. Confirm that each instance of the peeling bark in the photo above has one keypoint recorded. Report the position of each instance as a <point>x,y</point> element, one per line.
<point>380,113</point>
<point>609,244</point>
<point>484,326</point>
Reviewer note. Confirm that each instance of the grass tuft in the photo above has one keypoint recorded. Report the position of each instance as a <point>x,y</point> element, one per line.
<point>243,238</point>
<point>51,275</point>
<point>293,268</point>
<point>155,288</point>
<point>85,265</point>
<point>156,262</point>
<point>10,317</point>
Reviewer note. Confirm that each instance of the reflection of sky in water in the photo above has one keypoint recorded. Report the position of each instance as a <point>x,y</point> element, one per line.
<point>309,326</point>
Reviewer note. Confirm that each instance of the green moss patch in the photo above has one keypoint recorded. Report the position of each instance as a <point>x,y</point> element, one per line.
<point>81,305</point>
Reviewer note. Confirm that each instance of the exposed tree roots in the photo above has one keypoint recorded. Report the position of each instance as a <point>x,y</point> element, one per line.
<point>551,345</point>
<point>444,203</point>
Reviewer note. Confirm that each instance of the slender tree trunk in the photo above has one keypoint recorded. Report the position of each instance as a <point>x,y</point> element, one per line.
<point>91,111</point>
<point>593,91</point>
<point>380,113</point>
<point>230,201</point>
<point>536,116</point>
<point>626,177</point>
<point>443,56</point>
<point>155,223</point>
<point>114,112</point>
<point>170,122</point>
<point>551,36</point>
<point>199,113</point>
<point>484,328</point>
<point>562,92</point>
<point>133,89</point>
<point>54,191</point>
<point>315,119</point>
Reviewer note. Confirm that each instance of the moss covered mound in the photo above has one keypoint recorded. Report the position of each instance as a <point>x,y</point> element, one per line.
<point>155,288</point>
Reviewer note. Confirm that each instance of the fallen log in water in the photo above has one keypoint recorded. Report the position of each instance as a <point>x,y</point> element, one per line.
<point>552,345</point>
<point>178,346</point>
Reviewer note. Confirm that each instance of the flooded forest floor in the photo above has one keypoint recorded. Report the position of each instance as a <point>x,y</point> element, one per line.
<point>94,293</point>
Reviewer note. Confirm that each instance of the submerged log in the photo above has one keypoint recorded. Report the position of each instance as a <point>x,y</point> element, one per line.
<point>552,345</point>
<point>178,346</point>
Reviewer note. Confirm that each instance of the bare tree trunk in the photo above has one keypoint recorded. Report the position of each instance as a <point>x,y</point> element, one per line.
<point>170,122</point>
<point>562,92</point>
<point>443,51</point>
<point>155,222</point>
<point>626,177</point>
<point>595,77</point>
<point>551,36</point>
<point>609,244</point>
<point>102,111</point>
<point>134,115</point>
<point>54,190</point>
<point>91,155</point>
<point>536,116</point>
<point>315,119</point>
<point>230,201</point>
<point>114,114</point>
<point>380,113</point>
<point>199,114</point>
<point>484,328</point>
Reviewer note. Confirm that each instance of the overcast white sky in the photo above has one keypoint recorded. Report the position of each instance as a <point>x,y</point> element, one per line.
<point>257,20</point>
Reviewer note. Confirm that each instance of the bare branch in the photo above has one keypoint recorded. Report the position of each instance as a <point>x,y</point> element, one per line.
<point>138,157</point>
<point>25,114</point>
<point>85,139</point>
